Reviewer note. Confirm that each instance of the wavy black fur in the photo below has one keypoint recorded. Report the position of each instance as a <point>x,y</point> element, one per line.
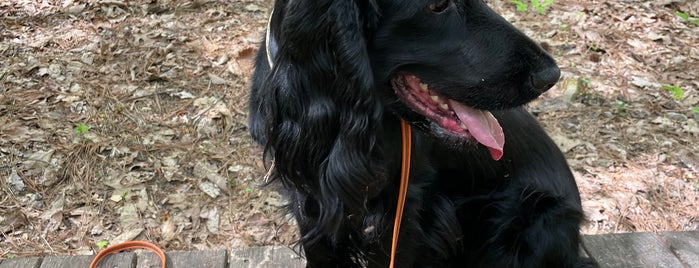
<point>326,112</point>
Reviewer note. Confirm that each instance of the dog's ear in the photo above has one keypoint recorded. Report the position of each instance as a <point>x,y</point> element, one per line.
<point>321,120</point>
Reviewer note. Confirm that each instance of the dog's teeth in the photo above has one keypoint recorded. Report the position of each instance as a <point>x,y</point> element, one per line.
<point>423,86</point>
<point>435,99</point>
<point>462,125</point>
<point>444,106</point>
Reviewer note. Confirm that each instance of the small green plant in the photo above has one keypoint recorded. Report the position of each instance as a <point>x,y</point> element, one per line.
<point>248,189</point>
<point>586,82</point>
<point>124,195</point>
<point>538,5</point>
<point>685,17</point>
<point>675,90</point>
<point>541,6</point>
<point>521,6</point>
<point>10,256</point>
<point>81,129</point>
<point>231,183</point>
<point>102,244</point>
<point>596,48</point>
<point>621,108</point>
<point>678,94</point>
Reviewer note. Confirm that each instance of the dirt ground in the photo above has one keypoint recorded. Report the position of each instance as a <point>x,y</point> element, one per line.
<point>127,119</point>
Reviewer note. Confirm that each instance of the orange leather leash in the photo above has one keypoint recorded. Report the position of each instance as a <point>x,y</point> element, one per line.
<point>403,191</point>
<point>136,244</point>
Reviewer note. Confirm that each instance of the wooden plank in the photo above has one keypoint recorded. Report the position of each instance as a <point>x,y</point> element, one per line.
<point>670,249</point>
<point>685,245</point>
<point>630,250</point>
<point>21,263</point>
<point>184,259</point>
<point>266,257</point>
<point>66,261</point>
<point>118,260</point>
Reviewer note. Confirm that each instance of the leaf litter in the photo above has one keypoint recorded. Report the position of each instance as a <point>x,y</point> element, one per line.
<point>162,87</point>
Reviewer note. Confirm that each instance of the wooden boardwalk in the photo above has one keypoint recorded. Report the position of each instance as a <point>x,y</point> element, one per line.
<point>666,249</point>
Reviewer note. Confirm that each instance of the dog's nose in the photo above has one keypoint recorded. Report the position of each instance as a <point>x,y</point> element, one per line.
<point>545,79</point>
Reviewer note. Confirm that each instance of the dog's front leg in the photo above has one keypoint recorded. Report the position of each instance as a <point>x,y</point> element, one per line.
<point>528,227</point>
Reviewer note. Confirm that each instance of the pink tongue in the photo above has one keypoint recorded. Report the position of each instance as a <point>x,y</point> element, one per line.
<point>483,126</point>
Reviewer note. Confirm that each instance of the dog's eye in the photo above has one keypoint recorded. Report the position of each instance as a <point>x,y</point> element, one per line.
<point>440,6</point>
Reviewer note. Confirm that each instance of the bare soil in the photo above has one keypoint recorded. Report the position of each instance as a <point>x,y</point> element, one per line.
<point>127,119</point>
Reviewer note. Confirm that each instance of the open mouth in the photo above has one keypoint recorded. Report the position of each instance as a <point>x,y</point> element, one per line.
<point>452,116</point>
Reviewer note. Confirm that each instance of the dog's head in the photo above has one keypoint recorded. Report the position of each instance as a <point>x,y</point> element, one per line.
<point>439,64</point>
<point>450,62</point>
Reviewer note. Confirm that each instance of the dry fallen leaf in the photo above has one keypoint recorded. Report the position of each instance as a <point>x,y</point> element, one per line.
<point>209,189</point>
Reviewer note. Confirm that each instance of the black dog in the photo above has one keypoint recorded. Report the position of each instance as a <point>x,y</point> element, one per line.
<point>488,187</point>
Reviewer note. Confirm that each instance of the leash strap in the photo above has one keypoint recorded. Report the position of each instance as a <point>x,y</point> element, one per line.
<point>136,244</point>
<point>403,191</point>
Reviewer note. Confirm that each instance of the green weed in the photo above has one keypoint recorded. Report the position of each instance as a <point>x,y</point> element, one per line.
<point>621,108</point>
<point>231,183</point>
<point>102,244</point>
<point>586,82</point>
<point>81,129</point>
<point>541,6</point>
<point>685,17</point>
<point>675,90</point>
<point>521,6</point>
<point>678,94</point>
<point>538,5</point>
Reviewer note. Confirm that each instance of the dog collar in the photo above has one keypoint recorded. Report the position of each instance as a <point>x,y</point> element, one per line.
<point>270,42</point>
